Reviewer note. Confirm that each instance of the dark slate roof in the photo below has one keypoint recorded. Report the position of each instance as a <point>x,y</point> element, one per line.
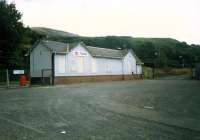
<point>60,47</point>
<point>111,53</point>
<point>104,52</point>
<point>57,46</point>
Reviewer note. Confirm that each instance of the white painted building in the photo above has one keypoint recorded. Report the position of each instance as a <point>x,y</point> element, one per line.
<point>60,60</point>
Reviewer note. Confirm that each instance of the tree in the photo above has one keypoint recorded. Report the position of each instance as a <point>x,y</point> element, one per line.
<point>11,35</point>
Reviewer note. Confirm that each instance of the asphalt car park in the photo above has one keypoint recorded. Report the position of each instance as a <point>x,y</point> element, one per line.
<point>139,110</point>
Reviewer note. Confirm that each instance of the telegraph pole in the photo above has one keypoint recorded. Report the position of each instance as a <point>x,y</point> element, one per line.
<point>154,64</point>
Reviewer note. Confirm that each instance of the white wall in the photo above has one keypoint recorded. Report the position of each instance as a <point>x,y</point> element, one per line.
<point>73,64</point>
<point>129,64</point>
<point>40,58</point>
<point>139,69</point>
<point>108,66</point>
<point>79,62</point>
<point>76,64</point>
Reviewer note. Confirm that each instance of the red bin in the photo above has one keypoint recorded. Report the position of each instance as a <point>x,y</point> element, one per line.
<point>22,80</point>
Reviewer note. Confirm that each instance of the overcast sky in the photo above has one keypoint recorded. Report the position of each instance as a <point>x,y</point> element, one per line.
<point>179,19</point>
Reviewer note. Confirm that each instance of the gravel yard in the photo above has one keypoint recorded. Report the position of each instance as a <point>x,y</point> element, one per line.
<point>139,110</point>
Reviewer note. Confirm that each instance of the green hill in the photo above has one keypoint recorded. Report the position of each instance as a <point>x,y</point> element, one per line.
<point>164,52</point>
<point>51,32</point>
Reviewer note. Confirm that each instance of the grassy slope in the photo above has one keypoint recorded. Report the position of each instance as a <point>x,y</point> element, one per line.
<point>52,32</point>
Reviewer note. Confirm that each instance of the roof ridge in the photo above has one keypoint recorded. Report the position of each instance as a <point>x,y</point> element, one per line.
<point>72,43</point>
<point>46,41</point>
<point>103,48</point>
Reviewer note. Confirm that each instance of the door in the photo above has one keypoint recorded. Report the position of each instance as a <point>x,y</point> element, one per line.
<point>61,63</point>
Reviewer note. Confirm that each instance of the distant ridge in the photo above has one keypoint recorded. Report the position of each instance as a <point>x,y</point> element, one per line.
<point>52,32</point>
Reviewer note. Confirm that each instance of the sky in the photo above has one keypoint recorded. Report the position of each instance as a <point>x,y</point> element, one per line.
<point>178,19</point>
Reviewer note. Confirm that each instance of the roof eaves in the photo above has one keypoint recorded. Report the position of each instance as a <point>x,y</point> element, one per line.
<point>99,56</point>
<point>35,45</point>
<point>61,52</point>
<point>138,61</point>
<point>42,42</point>
<point>83,44</point>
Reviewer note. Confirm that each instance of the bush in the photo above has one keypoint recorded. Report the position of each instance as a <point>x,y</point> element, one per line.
<point>148,72</point>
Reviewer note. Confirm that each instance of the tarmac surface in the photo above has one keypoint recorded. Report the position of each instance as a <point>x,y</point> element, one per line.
<point>125,110</point>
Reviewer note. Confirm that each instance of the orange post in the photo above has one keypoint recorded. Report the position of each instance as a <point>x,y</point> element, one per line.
<point>22,80</point>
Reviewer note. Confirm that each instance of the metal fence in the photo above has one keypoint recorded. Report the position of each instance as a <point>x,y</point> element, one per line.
<point>11,77</point>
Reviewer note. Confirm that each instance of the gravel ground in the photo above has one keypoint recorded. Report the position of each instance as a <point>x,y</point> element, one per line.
<point>139,110</point>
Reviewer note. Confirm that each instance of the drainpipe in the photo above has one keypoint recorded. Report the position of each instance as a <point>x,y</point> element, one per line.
<point>53,67</point>
<point>67,69</point>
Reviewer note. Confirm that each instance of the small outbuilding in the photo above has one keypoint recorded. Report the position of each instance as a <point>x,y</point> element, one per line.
<point>61,63</point>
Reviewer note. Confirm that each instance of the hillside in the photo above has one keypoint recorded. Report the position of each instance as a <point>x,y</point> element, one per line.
<point>52,32</point>
<point>164,52</point>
